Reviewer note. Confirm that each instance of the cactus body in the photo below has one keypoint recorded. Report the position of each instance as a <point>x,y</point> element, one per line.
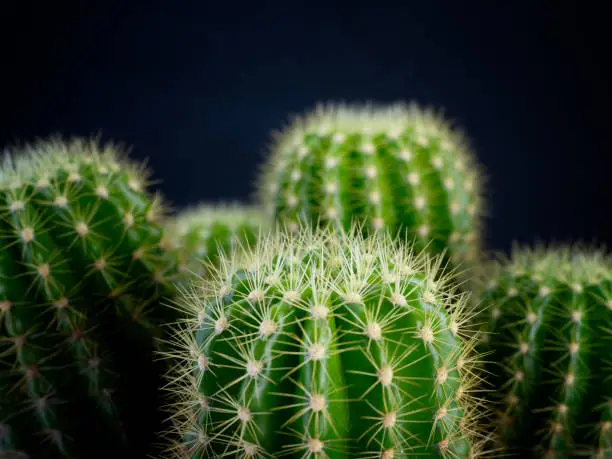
<point>323,345</point>
<point>550,324</point>
<point>79,268</point>
<point>198,234</point>
<point>397,168</point>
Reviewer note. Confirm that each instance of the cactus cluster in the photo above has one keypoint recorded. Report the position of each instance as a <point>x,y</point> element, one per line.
<point>549,323</point>
<point>324,344</point>
<point>327,321</point>
<point>80,272</point>
<point>399,168</point>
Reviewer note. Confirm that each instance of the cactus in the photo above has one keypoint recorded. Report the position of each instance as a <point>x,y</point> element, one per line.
<point>80,270</point>
<point>324,344</point>
<point>400,168</point>
<point>550,331</point>
<point>197,234</point>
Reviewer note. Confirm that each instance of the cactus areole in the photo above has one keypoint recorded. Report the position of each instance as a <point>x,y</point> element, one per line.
<point>79,267</point>
<point>318,344</point>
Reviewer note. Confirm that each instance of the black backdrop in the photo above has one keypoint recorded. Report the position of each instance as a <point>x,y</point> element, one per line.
<point>197,86</point>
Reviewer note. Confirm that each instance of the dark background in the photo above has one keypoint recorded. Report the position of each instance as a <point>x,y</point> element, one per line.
<point>197,86</point>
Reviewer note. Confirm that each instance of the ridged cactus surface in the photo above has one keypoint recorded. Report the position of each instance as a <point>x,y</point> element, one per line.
<point>550,324</point>
<point>79,272</point>
<point>324,345</point>
<point>199,233</point>
<point>400,168</point>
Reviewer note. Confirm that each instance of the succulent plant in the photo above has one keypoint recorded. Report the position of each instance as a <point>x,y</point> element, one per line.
<point>80,272</point>
<point>549,330</point>
<point>399,167</point>
<point>324,344</point>
<point>198,233</point>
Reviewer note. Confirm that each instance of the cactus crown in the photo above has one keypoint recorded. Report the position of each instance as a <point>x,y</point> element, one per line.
<point>45,156</point>
<point>204,216</point>
<point>318,342</point>
<point>369,120</point>
<point>570,261</point>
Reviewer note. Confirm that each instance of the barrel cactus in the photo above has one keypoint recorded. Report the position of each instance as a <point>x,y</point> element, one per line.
<point>550,334</point>
<point>80,270</point>
<point>399,168</point>
<point>324,344</point>
<point>197,234</point>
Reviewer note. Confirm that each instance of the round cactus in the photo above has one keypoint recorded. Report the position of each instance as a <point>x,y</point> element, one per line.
<point>550,332</point>
<point>399,168</point>
<point>324,344</point>
<point>197,234</point>
<point>80,270</point>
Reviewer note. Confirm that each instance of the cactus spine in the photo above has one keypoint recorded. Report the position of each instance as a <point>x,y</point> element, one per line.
<point>79,270</point>
<point>550,324</point>
<point>197,234</point>
<point>319,344</point>
<point>399,168</point>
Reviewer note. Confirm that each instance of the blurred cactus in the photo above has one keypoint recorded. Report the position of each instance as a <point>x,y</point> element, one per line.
<point>199,233</point>
<point>549,318</point>
<point>80,273</point>
<point>396,168</point>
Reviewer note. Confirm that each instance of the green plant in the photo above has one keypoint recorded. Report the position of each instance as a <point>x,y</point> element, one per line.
<point>324,344</point>
<point>550,330</point>
<point>399,168</point>
<point>197,234</point>
<point>80,272</point>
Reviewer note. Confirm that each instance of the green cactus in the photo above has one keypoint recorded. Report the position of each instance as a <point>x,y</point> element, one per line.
<point>80,270</point>
<point>399,168</point>
<point>550,331</point>
<point>325,345</point>
<point>197,234</point>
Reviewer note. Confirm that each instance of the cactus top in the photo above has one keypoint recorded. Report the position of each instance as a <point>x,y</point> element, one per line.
<point>550,324</point>
<point>568,264</point>
<point>319,344</point>
<point>36,163</point>
<point>399,168</point>
<point>205,216</point>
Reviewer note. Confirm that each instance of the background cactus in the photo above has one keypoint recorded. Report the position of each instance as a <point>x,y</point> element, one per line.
<point>319,344</point>
<point>80,270</point>
<point>197,234</point>
<point>399,168</point>
<point>550,324</point>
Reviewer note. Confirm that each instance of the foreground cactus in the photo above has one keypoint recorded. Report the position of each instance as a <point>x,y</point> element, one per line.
<point>198,234</point>
<point>319,344</point>
<point>550,318</point>
<point>80,270</point>
<point>398,168</point>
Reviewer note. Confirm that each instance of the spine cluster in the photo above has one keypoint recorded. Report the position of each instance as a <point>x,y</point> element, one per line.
<point>324,345</point>
<point>550,323</point>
